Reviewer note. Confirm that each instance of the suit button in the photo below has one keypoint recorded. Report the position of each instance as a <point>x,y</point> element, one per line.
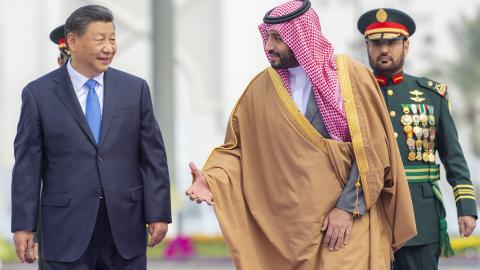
<point>396,135</point>
<point>393,113</point>
<point>98,194</point>
<point>99,158</point>
<point>390,92</point>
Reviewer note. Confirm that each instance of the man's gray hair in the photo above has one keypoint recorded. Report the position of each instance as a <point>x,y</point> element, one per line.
<point>79,20</point>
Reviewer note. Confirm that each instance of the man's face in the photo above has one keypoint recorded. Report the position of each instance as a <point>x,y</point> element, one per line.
<point>387,56</point>
<point>93,51</point>
<point>280,54</point>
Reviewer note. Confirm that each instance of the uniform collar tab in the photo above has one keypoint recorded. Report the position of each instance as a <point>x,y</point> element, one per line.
<point>389,80</point>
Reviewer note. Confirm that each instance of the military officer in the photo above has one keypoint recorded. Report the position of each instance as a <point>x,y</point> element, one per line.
<point>57,36</point>
<point>420,112</point>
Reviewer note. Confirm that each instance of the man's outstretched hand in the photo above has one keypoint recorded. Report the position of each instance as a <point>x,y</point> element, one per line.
<point>199,191</point>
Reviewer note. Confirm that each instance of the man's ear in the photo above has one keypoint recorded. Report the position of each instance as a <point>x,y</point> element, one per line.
<point>406,46</point>
<point>72,41</point>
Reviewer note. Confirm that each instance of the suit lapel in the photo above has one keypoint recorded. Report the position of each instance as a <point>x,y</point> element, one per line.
<point>65,92</point>
<point>110,100</point>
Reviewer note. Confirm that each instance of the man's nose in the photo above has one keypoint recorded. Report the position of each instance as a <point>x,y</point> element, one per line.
<point>108,48</point>
<point>384,48</point>
<point>269,45</point>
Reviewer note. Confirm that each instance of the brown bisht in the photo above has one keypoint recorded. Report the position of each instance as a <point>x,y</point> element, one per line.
<point>276,178</point>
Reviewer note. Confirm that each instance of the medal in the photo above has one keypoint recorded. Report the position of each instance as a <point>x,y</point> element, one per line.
<point>432,132</point>
<point>426,144</point>
<point>431,116</point>
<point>425,132</point>
<point>423,114</point>
<point>419,144</point>
<point>406,119</point>
<point>431,152</point>
<point>423,119</point>
<point>419,156</point>
<point>415,116</point>
<point>411,156</point>
<point>416,119</point>
<point>418,131</point>
<point>411,144</point>
<point>407,129</point>
<point>426,157</point>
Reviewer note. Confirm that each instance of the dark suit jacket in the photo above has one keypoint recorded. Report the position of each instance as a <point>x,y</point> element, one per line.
<point>54,144</point>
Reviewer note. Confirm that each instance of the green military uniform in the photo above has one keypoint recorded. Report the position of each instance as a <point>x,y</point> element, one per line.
<point>420,112</point>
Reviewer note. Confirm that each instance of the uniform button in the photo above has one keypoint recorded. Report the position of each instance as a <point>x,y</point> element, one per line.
<point>396,135</point>
<point>390,92</point>
<point>99,158</point>
<point>393,113</point>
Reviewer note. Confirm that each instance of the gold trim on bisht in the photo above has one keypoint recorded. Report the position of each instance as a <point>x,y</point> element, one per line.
<point>353,123</point>
<point>310,132</point>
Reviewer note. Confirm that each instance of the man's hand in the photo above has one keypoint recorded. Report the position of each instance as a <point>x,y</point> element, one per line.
<point>35,250</point>
<point>199,191</point>
<point>338,227</point>
<point>24,246</point>
<point>466,224</point>
<point>157,231</point>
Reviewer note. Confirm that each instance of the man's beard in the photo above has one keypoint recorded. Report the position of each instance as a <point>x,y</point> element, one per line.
<point>389,70</point>
<point>284,61</point>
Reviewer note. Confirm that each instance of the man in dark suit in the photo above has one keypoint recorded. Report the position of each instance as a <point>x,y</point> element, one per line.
<point>88,133</point>
<point>57,36</point>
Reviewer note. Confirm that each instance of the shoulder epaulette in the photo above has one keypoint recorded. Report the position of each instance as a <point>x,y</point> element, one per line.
<point>436,87</point>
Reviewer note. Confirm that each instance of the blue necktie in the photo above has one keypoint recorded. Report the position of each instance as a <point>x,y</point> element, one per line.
<point>93,113</point>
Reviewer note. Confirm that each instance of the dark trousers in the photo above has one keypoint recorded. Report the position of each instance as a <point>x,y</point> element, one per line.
<point>424,257</point>
<point>101,253</point>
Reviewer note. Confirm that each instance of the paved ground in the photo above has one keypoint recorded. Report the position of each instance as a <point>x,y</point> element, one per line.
<point>203,264</point>
<point>451,264</point>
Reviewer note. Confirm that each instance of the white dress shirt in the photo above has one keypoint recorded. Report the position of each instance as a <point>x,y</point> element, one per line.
<point>300,86</point>
<point>78,82</point>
